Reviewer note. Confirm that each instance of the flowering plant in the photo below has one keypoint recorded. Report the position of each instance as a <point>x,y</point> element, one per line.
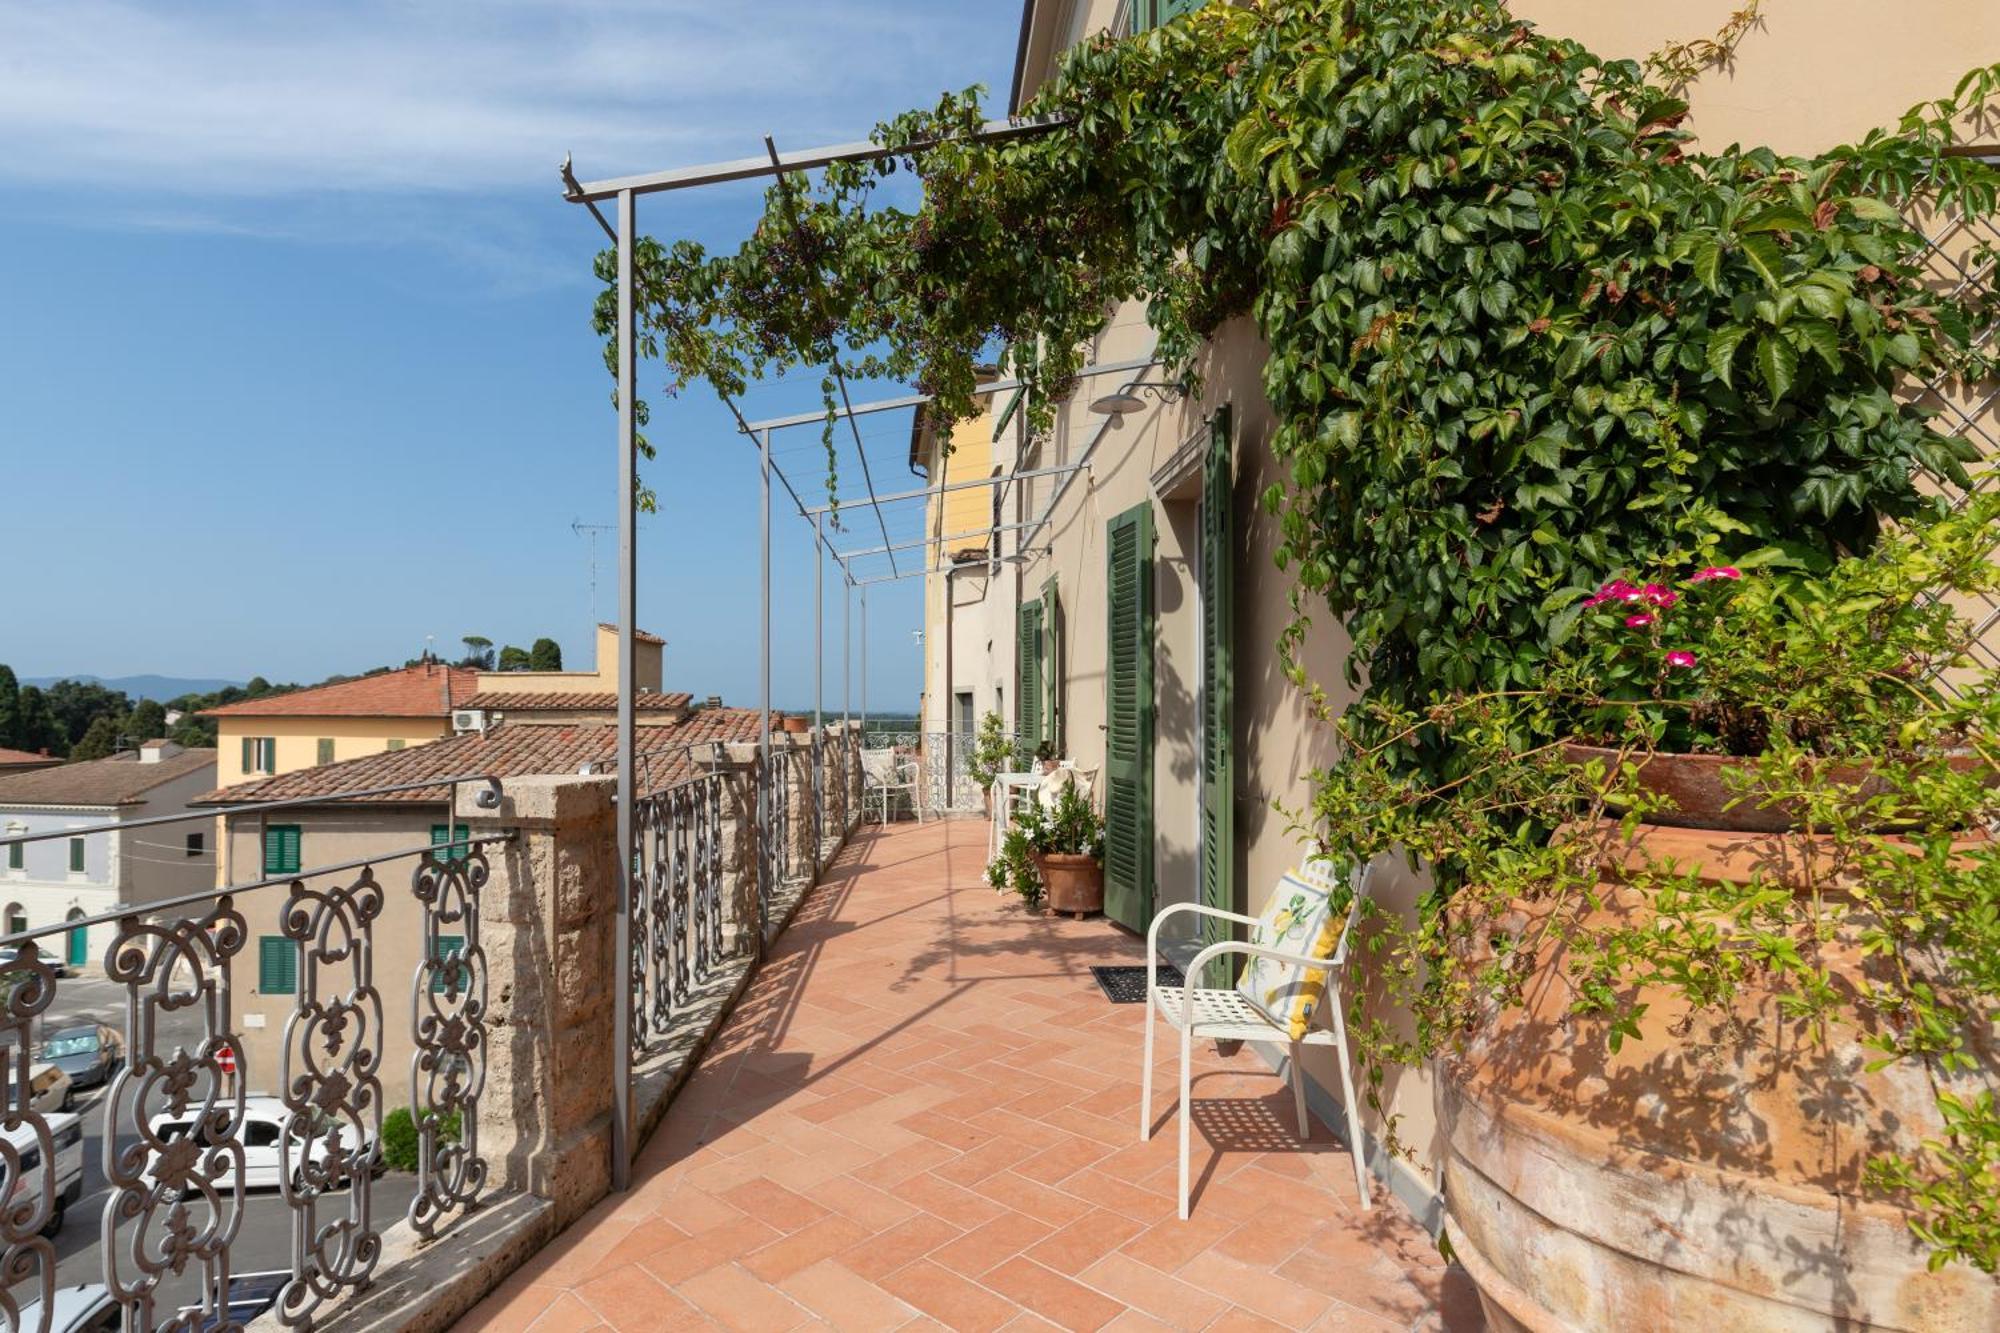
<point>1728,659</point>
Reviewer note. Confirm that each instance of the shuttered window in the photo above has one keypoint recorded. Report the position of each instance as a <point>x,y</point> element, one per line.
<point>454,975</point>
<point>260,754</point>
<point>442,834</point>
<point>1152,13</point>
<point>277,965</point>
<point>1128,710</point>
<point>281,849</point>
<point>1052,668</point>
<point>1218,760</point>
<point>1028,673</point>
<point>326,749</point>
<point>76,856</point>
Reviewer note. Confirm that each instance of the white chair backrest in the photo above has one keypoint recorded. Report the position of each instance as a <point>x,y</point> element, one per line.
<point>879,766</point>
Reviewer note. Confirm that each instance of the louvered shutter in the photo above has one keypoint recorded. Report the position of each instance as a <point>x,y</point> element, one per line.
<point>277,965</point>
<point>1028,674</point>
<point>1052,667</point>
<point>1128,711</point>
<point>1218,757</point>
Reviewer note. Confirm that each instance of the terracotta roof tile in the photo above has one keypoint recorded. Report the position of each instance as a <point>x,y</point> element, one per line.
<point>418,691</point>
<point>114,781</point>
<point>638,635</point>
<point>523,701</point>
<point>505,751</point>
<point>9,757</point>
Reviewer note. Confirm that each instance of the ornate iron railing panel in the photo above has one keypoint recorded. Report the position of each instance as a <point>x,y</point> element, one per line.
<point>27,1256</point>
<point>677,914</point>
<point>173,1119</point>
<point>949,787</point>
<point>448,1023</point>
<point>331,1086</point>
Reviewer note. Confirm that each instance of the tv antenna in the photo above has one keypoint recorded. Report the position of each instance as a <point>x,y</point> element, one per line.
<point>590,530</point>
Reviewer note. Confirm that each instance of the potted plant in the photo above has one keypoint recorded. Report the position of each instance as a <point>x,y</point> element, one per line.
<point>1068,842</point>
<point>1719,919</point>
<point>993,750</point>
<point>1015,869</point>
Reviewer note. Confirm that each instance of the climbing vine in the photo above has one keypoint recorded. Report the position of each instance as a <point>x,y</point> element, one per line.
<point>1522,338</point>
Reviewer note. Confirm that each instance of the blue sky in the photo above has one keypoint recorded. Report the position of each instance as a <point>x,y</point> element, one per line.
<point>295,355</point>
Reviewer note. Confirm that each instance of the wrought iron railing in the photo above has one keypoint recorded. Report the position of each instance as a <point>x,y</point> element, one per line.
<point>946,756</point>
<point>174,1131</point>
<point>677,911</point>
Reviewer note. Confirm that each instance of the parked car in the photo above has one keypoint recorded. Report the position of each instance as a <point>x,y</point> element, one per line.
<point>263,1140</point>
<point>49,1089</point>
<point>66,1131</point>
<point>57,963</point>
<point>85,1308</point>
<point>90,1053</point>
<point>250,1294</point>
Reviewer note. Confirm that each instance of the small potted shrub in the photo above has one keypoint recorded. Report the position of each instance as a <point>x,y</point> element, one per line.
<point>993,750</point>
<point>1014,870</point>
<point>1068,842</point>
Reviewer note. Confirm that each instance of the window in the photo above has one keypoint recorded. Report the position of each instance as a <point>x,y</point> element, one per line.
<point>1147,14</point>
<point>17,920</point>
<point>261,1134</point>
<point>14,851</point>
<point>195,844</point>
<point>442,833</point>
<point>76,856</point>
<point>260,754</point>
<point>277,965</point>
<point>326,749</point>
<point>281,849</point>
<point>397,744</point>
<point>454,976</point>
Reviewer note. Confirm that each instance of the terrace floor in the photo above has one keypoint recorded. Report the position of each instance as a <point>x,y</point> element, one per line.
<point>923,1113</point>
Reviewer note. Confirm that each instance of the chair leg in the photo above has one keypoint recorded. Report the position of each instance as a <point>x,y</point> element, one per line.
<point>1187,1054</point>
<point>1146,1079</point>
<point>1299,1092</point>
<point>1355,1140</point>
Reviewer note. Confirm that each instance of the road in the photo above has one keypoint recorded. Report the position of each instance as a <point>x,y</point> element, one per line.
<point>263,1241</point>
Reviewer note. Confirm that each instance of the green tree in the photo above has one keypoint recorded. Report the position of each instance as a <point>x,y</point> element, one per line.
<point>99,740</point>
<point>148,721</point>
<point>478,652</point>
<point>546,655</point>
<point>10,707</point>
<point>35,725</point>
<point>78,703</point>
<point>513,659</point>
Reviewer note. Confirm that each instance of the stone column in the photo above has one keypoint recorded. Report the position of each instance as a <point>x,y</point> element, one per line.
<point>742,844</point>
<point>792,752</point>
<point>853,775</point>
<point>547,927</point>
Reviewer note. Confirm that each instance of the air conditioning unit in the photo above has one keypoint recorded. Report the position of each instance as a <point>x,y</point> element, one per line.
<point>468,719</point>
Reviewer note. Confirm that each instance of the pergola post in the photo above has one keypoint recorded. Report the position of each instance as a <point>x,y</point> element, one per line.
<point>819,685</point>
<point>628,519</point>
<point>767,865</point>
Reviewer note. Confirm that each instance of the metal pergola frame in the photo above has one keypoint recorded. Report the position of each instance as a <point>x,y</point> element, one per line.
<point>624,193</point>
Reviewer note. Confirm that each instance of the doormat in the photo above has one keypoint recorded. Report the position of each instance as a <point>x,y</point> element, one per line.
<point>1127,985</point>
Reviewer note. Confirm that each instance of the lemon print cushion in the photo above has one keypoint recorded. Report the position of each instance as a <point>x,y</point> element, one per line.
<point>1298,919</point>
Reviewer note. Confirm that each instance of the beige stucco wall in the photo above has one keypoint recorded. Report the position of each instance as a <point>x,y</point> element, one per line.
<point>1814,74</point>
<point>648,669</point>
<point>329,837</point>
<point>298,740</point>
<point>968,613</point>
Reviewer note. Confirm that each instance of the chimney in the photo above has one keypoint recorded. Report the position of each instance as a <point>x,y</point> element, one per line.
<point>713,701</point>
<point>152,752</point>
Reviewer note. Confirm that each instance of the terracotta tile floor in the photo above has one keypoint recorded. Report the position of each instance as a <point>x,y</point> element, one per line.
<point>924,1113</point>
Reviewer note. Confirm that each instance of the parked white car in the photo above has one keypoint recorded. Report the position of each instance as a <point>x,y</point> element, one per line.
<point>49,1089</point>
<point>87,1308</point>
<point>67,1133</point>
<point>263,1140</point>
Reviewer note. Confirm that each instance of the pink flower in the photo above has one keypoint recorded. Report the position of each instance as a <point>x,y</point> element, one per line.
<point>1659,594</point>
<point>1717,572</point>
<point>1639,621</point>
<point>1618,590</point>
<point>1680,658</point>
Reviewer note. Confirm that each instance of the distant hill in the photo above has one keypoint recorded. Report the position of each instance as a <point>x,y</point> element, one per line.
<point>161,688</point>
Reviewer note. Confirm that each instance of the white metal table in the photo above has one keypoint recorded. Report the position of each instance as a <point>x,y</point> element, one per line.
<point>1007,786</point>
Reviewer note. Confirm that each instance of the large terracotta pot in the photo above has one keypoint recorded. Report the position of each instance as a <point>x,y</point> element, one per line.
<point>1073,884</point>
<point>1706,1176</point>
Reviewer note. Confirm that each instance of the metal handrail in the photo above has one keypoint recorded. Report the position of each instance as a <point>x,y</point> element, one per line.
<point>153,907</point>
<point>488,800</point>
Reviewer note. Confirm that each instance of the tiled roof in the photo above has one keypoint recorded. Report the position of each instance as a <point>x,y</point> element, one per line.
<point>114,781</point>
<point>522,701</point>
<point>504,751</point>
<point>432,690</point>
<point>638,635</point>
<point>8,757</point>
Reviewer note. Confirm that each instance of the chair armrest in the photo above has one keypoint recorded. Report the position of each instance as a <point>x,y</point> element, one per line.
<point>1200,909</point>
<point>1243,947</point>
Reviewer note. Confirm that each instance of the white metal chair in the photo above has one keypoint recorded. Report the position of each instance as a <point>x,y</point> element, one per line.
<point>1195,1010</point>
<point>884,774</point>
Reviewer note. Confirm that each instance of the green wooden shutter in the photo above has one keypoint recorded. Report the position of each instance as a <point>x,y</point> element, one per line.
<point>1128,711</point>
<point>1218,686</point>
<point>249,755</point>
<point>442,834</point>
<point>449,947</point>
<point>1052,668</point>
<point>281,849</point>
<point>76,856</point>
<point>1028,674</point>
<point>326,749</point>
<point>277,965</point>
<point>1152,13</point>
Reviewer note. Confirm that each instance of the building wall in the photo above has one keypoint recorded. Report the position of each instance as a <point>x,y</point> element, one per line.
<point>298,739</point>
<point>969,613</point>
<point>648,667</point>
<point>1777,91</point>
<point>329,837</point>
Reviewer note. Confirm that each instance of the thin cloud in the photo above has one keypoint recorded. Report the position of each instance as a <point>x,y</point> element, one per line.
<point>249,98</point>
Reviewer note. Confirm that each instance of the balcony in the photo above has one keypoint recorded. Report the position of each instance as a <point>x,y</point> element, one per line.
<point>923,1107</point>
